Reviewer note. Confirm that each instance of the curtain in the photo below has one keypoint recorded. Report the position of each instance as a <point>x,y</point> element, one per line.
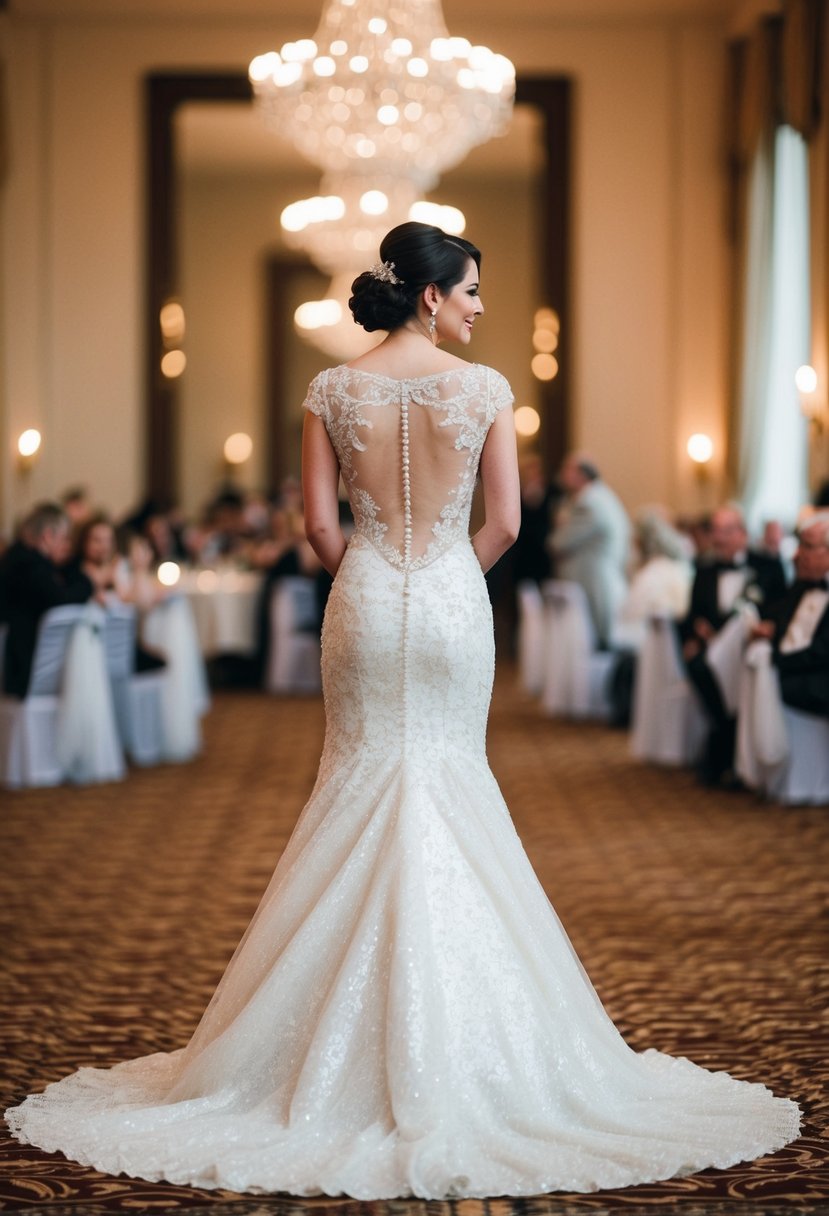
<point>772,481</point>
<point>774,98</point>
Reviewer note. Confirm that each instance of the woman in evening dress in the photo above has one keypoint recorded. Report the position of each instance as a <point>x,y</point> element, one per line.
<point>405,1015</point>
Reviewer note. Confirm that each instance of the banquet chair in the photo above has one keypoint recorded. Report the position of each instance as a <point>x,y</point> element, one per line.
<point>782,753</point>
<point>170,629</point>
<point>530,636</point>
<point>88,744</point>
<point>137,695</point>
<point>668,723</point>
<point>31,728</point>
<point>293,663</point>
<point>575,674</point>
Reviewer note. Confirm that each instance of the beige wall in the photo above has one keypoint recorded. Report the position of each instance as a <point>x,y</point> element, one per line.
<point>648,258</point>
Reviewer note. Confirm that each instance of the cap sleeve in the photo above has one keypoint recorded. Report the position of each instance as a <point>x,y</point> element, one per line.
<point>315,398</point>
<point>499,394</point>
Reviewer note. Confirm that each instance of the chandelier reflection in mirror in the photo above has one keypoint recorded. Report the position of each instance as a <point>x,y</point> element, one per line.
<point>383,101</point>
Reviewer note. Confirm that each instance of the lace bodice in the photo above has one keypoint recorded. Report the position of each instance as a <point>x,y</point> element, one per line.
<point>409,452</point>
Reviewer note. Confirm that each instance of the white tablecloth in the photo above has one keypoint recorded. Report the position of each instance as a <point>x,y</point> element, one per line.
<point>224,605</point>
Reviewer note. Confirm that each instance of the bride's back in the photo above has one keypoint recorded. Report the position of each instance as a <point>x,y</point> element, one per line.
<point>409,450</point>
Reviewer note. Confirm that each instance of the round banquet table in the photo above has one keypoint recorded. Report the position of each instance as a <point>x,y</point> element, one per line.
<point>224,604</point>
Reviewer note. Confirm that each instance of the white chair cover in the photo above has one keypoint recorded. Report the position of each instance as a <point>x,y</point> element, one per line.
<point>530,636</point>
<point>171,630</point>
<point>294,652</point>
<point>781,752</point>
<point>575,674</point>
<point>28,727</point>
<point>137,696</point>
<point>724,654</point>
<point>668,724</point>
<point>88,746</point>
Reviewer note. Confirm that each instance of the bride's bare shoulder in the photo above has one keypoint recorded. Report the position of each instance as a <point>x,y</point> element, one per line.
<point>407,357</point>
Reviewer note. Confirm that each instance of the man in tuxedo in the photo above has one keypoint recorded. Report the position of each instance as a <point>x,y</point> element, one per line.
<point>736,574</point>
<point>591,541</point>
<point>33,581</point>
<point>798,624</point>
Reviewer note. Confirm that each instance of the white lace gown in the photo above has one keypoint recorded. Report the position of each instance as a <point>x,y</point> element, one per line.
<point>405,1014</point>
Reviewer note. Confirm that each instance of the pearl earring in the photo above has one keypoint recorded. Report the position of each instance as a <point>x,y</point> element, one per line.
<point>433,324</point>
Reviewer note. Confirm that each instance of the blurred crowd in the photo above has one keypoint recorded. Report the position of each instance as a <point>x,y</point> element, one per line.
<point>697,572</point>
<point>70,551</point>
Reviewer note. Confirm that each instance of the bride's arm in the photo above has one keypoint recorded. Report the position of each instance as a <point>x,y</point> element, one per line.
<point>320,478</point>
<point>502,495</point>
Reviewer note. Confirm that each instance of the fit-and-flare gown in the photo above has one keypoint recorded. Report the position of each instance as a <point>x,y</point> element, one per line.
<point>405,1014</point>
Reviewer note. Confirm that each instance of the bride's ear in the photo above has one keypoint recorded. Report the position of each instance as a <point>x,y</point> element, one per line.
<point>431,297</point>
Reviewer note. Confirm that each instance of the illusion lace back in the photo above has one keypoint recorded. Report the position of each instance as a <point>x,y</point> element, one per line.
<point>405,1014</point>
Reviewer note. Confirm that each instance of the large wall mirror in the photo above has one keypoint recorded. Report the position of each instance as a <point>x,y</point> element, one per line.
<point>217,182</point>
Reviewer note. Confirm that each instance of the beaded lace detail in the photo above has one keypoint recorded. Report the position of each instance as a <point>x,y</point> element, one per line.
<point>422,483</point>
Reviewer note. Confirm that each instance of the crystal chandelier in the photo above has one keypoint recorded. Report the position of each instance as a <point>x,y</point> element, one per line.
<point>382,84</point>
<point>383,101</point>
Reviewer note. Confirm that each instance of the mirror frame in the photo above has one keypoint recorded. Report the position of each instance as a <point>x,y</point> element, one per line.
<point>164,93</point>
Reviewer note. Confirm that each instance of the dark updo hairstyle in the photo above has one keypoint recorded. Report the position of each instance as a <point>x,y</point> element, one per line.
<point>421,254</point>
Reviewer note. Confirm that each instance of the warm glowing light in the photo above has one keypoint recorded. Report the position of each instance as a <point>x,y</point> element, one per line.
<point>238,447</point>
<point>29,443</point>
<point>544,367</point>
<point>318,210</point>
<point>547,318</point>
<point>171,320</point>
<point>806,379</point>
<point>316,313</point>
<point>450,219</point>
<point>545,340</point>
<point>527,420</point>
<point>169,573</point>
<point>374,202</point>
<point>700,448</point>
<point>173,364</point>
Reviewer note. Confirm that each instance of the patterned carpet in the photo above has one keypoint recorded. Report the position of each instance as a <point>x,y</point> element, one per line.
<point>701,917</point>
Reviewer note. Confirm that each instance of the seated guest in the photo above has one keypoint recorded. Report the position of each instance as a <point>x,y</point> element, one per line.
<point>34,580</point>
<point>735,575</point>
<point>76,507</point>
<point>286,554</point>
<point>590,541</point>
<point>798,624</point>
<point>661,583</point>
<point>97,557</point>
<point>539,498</point>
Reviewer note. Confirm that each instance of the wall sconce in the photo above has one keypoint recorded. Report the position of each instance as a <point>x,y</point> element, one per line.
<point>546,325</point>
<point>238,448</point>
<point>700,448</point>
<point>812,405</point>
<point>28,446</point>
<point>527,421</point>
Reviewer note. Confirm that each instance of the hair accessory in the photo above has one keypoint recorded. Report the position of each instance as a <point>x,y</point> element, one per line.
<point>384,271</point>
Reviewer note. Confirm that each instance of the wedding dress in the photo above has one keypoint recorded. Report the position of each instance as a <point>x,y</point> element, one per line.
<point>405,1014</point>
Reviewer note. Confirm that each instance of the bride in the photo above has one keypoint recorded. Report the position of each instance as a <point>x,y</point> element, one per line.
<point>405,1014</point>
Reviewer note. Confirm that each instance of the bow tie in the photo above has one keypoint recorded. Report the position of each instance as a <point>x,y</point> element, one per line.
<point>812,584</point>
<point>720,567</point>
